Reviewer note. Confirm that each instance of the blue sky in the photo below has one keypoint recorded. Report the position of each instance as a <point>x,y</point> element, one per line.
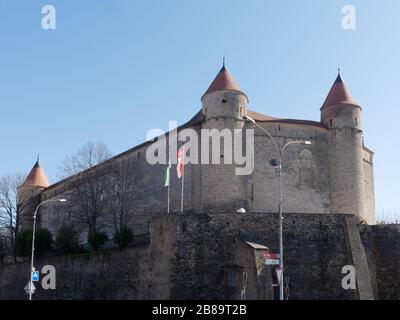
<point>112,70</point>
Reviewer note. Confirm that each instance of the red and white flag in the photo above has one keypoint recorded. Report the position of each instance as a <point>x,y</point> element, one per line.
<point>181,157</point>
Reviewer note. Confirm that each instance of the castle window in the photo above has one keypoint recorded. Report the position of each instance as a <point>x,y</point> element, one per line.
<point>233,278</point>
<point>273,163</point>
<point>233,274</point>
<point>240,111</point>
<point>224,101</point>
<point>330,123</point>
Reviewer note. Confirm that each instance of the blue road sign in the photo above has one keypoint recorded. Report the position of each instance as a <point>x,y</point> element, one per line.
<point>35,275</point>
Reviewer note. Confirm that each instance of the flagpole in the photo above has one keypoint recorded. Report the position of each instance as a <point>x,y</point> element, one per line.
<point>168,199</point>
<point>183,176</point>
<point>167,182</point>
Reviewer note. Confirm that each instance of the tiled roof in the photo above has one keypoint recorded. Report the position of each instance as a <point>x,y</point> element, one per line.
<point>36,177</point>
<point>199,118</point>
<point>223,81</point>
<point>339,94</point>
<point>264,118</point>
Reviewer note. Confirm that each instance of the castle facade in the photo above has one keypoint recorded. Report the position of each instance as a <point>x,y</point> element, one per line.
<point>332,175</point>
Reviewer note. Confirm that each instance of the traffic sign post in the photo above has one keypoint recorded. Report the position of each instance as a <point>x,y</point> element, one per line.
<point>35,276</point>
<point>271,259</point>
<point>30,288</point>
<point>279,274</point>
<point>271,262</point>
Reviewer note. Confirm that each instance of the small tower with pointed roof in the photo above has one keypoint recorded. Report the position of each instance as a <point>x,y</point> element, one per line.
<point>223,105</point>
<point>340,109</point>
<point>342,115</point>
<point>35,182</point>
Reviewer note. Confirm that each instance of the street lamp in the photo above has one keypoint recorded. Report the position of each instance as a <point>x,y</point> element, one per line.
<point>33,240</point>
<point>280,153</point>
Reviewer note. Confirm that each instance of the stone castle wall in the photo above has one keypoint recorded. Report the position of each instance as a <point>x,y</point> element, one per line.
<point>150,196</point>
<point>193,256</point>
<point>382,245</point>
<point>369,191</point>
<point>307,181</point>
<point>305,171</point>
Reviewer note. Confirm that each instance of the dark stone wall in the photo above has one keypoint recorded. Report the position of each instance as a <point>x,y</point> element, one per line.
<point>382,246</point>
<point>316,249</point>
<point>203,256</point>
<point>140,272</point>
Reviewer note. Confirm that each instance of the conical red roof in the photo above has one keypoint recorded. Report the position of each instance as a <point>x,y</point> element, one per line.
<point>37,177</point>
<point>223,81</point>
<point>339,94</point>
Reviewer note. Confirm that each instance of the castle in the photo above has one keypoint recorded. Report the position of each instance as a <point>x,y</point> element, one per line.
<point>332,175</point>
<point>212,250</point>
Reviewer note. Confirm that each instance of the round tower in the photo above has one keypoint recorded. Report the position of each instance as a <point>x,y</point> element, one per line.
<point>35,182</point>
<point>29,193</point>
<point>223,105</point>
<point>342,115</point>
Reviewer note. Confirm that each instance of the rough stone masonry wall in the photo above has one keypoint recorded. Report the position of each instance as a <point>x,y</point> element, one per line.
<point>305,180</point>
<point>347,184</point>
<point>382,245</point>
<point>369,187</point>
<point>317,246</point>
<point>150,195</point>
<point>140,272</point>
<point>305,171</point>
<point>190,256</point>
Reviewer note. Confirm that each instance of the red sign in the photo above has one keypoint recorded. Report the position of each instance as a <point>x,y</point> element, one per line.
<point>271,255</point>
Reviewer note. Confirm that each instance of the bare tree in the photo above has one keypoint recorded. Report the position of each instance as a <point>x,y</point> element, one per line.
<point>12,207</point>
<point>121,197</point>
<point>88,186</point>
<point>87,157</point>
<point>4,244</point>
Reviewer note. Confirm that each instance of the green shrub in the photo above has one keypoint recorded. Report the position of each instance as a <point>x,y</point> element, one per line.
<point>97,239</point>
<point>124,237</point>
<point>67,241</point>
<point>43,242</point>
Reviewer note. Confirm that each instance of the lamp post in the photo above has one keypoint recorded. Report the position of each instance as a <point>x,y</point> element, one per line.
<point>280,153</point>
<point>33,240</point>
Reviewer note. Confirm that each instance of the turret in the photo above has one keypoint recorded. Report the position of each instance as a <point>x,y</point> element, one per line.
<point>223,104</point>
<point>29,193</point>
<point>340,110</point>
<point>35,182</point>
<point>342,115</point>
